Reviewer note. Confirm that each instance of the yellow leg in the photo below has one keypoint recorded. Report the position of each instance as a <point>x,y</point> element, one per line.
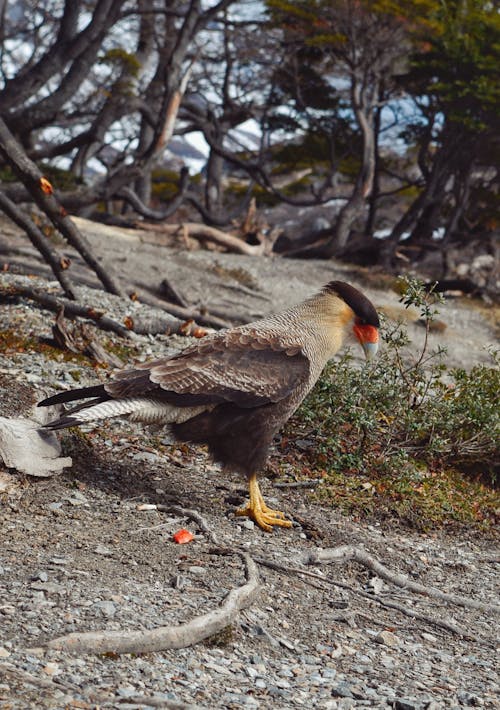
<point>258,511</point>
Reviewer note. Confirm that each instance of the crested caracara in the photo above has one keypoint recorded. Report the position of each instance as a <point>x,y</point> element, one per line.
<point>235,389</point>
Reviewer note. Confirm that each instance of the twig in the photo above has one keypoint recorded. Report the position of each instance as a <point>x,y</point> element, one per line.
<point>184,313</point>
<point>26,678</point>
<point>345,553</point>
<point>167,637</point>
<point>193,515</point>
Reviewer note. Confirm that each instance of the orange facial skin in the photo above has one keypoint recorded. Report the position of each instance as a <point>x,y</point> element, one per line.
<point>367,335</point>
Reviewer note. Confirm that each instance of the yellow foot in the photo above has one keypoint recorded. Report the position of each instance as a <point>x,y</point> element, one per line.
<point>258,511</point>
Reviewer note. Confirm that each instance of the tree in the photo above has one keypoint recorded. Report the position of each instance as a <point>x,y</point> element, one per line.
<point>354,49</point>
<point>107,73</point>
<point>91,83</point>
<point>453,78</point>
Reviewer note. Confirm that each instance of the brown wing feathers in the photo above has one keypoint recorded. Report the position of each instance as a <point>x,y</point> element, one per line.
<point>247,372</point>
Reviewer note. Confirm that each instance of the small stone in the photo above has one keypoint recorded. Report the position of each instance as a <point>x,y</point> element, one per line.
<point>342,690</point>
<point>429,637</point>
<point>126,691</point>
<point>4,653</point>
<point>260,683</point>
<point>51,668</point>
<point>41,576</point>
<point>387,638</point>
<point>469,699</point>
<point>248,524</point>
<point>103,550</point>
<point>55,507</point>
<point>59,560</point>
<point>376,585</point>
<point>106,608</point>
<point>405,704</point>
<point>49,587</point>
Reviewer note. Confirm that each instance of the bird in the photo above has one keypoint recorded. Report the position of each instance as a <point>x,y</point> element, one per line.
<point>233,390</point>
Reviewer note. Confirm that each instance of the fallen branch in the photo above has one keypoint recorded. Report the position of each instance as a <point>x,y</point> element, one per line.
<point>207,319</point>
<point>204,233</point>
<point>19,675</point>
<point>167,637</point>
<point>136,324</point>
<point>82,341</point>
<point>53,303</point>
<point>346,553</point>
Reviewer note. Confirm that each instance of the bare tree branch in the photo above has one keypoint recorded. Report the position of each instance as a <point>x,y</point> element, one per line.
<point>41,191</point>
<point>40,241</point>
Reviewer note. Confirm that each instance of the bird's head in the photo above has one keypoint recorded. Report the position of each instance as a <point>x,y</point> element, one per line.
<point>363,318</point>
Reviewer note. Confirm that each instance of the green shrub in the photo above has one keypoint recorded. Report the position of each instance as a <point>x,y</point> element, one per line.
<point>404,425</point>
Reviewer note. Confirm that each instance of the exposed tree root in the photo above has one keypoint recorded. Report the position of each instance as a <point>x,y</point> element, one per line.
<point>319,582</point>
<point>346,553</point>
<point>167,637</point>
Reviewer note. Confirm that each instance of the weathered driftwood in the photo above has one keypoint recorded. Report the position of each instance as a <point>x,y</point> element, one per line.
<point>81,340</point>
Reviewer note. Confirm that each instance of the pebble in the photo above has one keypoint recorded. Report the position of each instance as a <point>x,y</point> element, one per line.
<point>387,638</point>
<point>103,550</point>
<point>51,668</point>
<point>106,608</point>
<point>342,690</point>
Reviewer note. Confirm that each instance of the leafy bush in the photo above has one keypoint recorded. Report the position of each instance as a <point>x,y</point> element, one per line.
<point>391,426</point>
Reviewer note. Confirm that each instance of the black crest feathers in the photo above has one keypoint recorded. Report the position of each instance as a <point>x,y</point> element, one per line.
<point>362,307</point>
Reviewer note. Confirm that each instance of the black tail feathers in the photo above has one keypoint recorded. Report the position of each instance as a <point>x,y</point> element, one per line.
<point>73,395</point>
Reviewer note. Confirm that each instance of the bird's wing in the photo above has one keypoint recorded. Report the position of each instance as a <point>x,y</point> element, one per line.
<point>244,367</point>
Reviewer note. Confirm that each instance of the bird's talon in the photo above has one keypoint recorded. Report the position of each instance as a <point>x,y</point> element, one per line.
<point>265,519</point>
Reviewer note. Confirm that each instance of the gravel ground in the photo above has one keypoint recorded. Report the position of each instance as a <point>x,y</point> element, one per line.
<point>80,552</point>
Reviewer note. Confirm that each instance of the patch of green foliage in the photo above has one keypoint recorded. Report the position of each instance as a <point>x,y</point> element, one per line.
<point>401,436</point>
<point>263,197</point>
<point>164,184</point>
<point>12,342</point>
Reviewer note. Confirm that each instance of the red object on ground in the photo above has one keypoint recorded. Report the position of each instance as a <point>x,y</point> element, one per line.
<point>181,537</point>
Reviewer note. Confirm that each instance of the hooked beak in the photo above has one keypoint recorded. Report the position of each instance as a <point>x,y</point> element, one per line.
<point>367,336</point>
